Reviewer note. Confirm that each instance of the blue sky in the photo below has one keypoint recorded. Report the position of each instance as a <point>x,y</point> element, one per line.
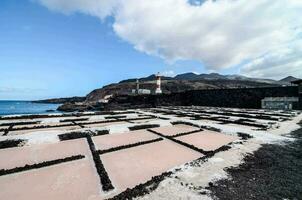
<point>53,48</point>
<point>46,54</point>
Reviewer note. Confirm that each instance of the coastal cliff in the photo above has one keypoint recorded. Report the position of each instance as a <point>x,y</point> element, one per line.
<point>170,85</point>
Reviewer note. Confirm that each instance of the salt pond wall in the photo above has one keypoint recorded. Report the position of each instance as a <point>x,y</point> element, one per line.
<point>237,98</point>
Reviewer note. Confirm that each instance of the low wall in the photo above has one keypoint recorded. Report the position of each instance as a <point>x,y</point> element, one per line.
<point>237,98</point>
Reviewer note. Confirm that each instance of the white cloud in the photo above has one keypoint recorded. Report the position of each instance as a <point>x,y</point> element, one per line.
<point>169,73</point>
<point>220,33</point>
<point>283,62</point>
<point>98,8</point>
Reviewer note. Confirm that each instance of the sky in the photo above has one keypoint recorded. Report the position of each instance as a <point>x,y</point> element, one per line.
<point>61,48</point>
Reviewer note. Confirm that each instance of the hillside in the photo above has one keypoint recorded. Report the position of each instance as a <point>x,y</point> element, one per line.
<point>62,100</point>
<point>179,83</point>
<point>288,79</point>
<point>184,82</point>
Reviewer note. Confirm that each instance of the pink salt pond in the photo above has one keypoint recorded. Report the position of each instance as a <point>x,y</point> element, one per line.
<point>20,156</point>
<point>114,140</point>
<point>100,125</point>
<point>207,140</point>
<point>130,167</point>
<point>174,130</point>
<point>76,180</point>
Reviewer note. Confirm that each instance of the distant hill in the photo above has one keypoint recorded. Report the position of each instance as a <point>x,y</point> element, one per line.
<point>179,83</point>
<point>216,76</point>
<point>187,76</point>
<point>288,79</point>
<point>183,82</point>
<point>62,100</point>
<point>148,78</point>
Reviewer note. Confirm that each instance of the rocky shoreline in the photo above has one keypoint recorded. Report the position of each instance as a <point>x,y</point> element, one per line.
<point>61,100</point>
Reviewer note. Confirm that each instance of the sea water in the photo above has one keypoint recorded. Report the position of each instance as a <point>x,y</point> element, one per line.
<point>25,107</point>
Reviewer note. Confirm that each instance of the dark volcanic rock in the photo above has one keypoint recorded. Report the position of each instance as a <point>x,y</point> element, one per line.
<point>182,83</point>
<point>289,79</point>
<point>62,100</point>
<point>272,172</point>
<point>71,107</point>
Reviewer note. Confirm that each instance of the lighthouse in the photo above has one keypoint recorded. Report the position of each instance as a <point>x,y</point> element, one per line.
<point>158,83</point>
<point>137,86</point>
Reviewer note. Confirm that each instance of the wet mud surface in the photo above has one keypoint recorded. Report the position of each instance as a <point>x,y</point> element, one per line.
<point>272,172</point>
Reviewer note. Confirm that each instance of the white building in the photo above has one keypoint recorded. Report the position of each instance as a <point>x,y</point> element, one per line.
<point>141,91</point>
<point>279,103</point>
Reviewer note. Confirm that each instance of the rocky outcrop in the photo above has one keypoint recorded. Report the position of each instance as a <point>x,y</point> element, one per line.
<point>173,86</point>
<point>170,85</point>
<point>62,100</point>
<point>84,106</point>
<point>236,98</point>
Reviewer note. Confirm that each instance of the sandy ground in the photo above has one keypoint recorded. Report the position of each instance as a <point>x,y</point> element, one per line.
<point>101,125</point>
<point>129,167</point>
<point>21,132</point>
<point>132,166</point>
<point>75,180</point>
<point>108,141</point>
<point>199,177</point>
<point>207,140</point>
<point>18,157</point>
<point>174,130</point>
<point>143,121</point>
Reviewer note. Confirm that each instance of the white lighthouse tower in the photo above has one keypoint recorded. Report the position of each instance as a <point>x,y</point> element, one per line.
<point>158,83</point>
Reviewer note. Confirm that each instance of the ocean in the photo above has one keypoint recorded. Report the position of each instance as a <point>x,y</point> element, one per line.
<point>25,107</point>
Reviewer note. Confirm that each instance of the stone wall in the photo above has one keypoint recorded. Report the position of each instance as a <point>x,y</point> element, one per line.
<point>237,98</point>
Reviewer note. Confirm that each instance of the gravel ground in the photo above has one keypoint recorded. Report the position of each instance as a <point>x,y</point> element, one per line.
<point>272,172</point>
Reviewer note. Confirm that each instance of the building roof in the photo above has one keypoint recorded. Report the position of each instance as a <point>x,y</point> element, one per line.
<point>299,81</point>
<point>293,99</point>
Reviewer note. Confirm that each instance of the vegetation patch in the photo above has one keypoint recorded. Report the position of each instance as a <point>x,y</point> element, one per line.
<point>244,136</point>
<point>141,118</point>
<point>66,115</point>
<point>245,114</point>
<point>77,135</point>
<point>39,165</point>
<point>226,121</point>
<point>185,123</point>
<point>129,146</point>
<point>116,117</point>
<point>186,133</point>
<point>104,178</point>
<point>11,143</point>
<point>179,142</point>
<point>142,189</point>
<point>195,125</point>
<point>42,127</point>
<point>74,120</point>
<point>206,153</point>
<point>6,131</point>
<point>19,123</point>
<point>143,126</point>
<point>210,128</point>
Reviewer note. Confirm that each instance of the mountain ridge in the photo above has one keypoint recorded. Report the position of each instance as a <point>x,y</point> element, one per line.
<point>211,76</point>
<point>178,83</point>
<point>183,82</point>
